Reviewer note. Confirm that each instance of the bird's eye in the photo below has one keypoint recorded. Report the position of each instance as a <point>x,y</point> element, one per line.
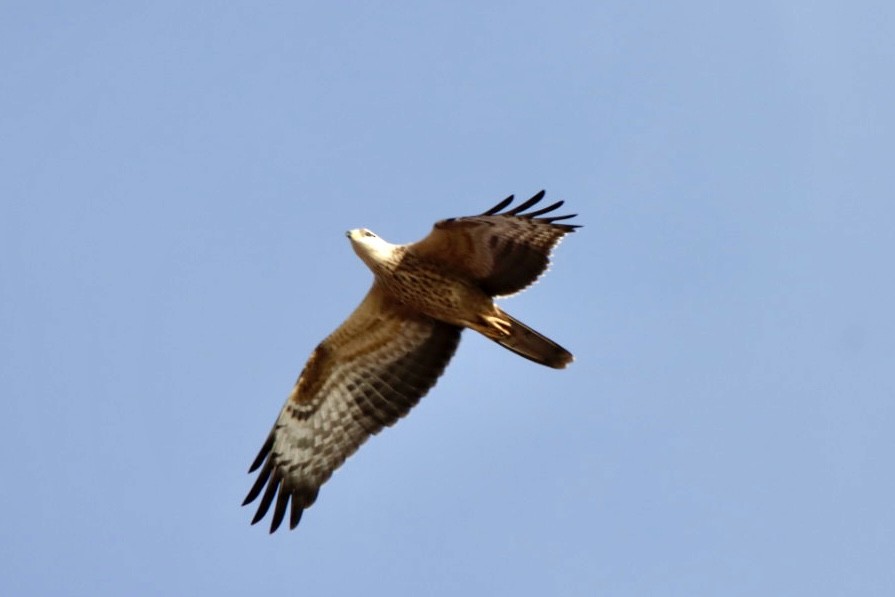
<point>368,233</point>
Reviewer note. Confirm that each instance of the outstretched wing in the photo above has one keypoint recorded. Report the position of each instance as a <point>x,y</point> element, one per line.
<point>366,375</point>
<point>503,252</point>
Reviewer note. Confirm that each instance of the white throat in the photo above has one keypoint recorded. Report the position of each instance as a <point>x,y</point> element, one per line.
<point>374,251</point>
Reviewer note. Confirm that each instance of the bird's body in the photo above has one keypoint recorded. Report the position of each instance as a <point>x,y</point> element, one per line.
<point>424,286</point>
<point>394,346</point>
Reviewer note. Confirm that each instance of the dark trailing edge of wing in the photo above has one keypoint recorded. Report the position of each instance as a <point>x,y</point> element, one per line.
<point>519,209</point>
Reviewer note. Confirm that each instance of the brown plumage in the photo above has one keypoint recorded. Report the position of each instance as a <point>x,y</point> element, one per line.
<point>391,350</point>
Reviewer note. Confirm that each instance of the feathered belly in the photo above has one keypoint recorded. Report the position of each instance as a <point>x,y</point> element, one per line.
<point>438,294</point>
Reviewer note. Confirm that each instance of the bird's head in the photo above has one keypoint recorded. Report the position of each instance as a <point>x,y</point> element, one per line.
<point>374,251</point>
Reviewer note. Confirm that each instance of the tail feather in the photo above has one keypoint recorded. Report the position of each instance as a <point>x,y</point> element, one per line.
<point>528,343</point>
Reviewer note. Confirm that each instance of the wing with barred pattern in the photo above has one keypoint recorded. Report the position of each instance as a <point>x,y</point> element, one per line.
<point>366,375</point>
<point>503,252</point>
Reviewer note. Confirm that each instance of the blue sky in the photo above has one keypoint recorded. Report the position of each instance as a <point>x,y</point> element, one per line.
<point>177,178</point>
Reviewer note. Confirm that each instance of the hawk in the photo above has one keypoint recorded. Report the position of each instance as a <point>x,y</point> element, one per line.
<point>390,351</point>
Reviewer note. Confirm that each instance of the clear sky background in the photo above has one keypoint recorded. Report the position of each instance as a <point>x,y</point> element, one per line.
<point>176,181</point>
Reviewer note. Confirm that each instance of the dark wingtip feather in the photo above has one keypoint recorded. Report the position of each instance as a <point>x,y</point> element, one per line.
<point>259,483</point>
<point>558,218</point>
<point>275,485</point>
<point>264,505</point>
<point>519,210</point>
<point>498,207</point>
<point>262,454</point>
<point>279,510</point>
<point>543,210</point>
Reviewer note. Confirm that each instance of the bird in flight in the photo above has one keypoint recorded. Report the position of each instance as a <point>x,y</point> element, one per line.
<point>390,351</point>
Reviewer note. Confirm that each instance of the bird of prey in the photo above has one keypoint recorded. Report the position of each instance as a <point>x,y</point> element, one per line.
<point>390,351</point>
